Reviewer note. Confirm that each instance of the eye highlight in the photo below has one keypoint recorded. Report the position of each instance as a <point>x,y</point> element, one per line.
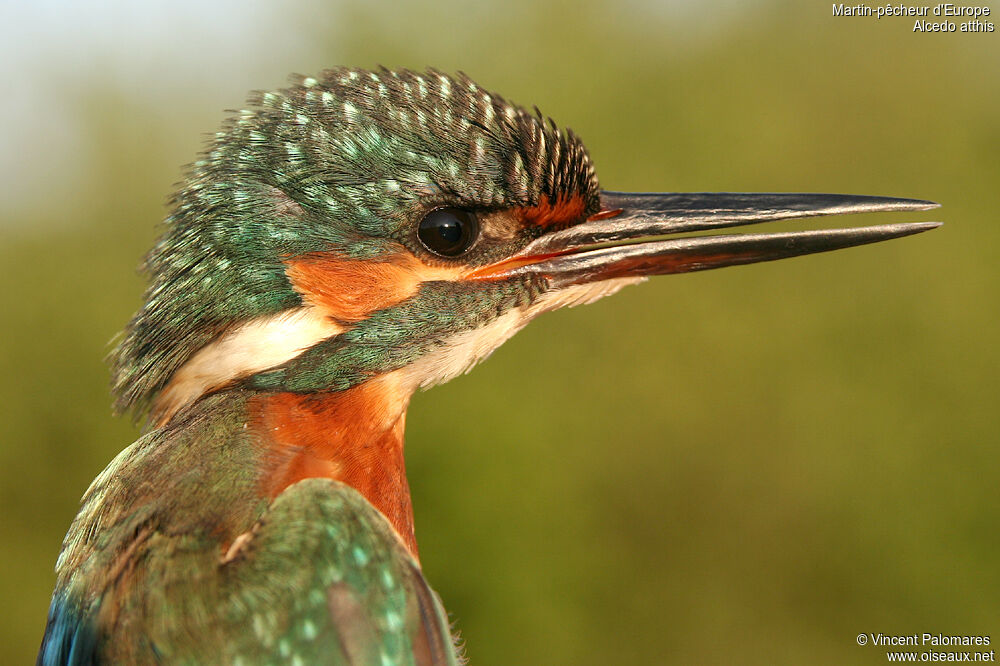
<point>448,232</point>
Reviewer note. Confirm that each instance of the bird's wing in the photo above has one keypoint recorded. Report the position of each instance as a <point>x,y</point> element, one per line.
<point>360,598</point>
<point>321,577</point>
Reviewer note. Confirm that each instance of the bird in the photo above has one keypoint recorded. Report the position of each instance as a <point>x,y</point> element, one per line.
<point>339,244</point>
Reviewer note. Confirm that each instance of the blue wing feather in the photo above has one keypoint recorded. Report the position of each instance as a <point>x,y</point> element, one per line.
<point>70,637</point>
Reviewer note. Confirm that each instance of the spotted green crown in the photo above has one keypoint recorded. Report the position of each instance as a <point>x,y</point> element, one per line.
<point>337,163</point>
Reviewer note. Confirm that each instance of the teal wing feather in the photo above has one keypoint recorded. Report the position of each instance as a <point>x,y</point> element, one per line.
<point>320,578</point>
<point>167,564</point>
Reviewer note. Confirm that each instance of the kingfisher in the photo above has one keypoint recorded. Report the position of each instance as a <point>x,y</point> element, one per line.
<point>340,244</point>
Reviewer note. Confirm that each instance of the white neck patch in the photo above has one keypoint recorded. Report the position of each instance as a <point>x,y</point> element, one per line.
<point>246,349</point>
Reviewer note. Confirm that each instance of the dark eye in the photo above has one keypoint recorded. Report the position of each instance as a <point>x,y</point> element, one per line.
<point>448,231</point>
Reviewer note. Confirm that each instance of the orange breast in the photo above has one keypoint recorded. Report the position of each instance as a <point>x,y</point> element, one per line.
<point>353,436</point>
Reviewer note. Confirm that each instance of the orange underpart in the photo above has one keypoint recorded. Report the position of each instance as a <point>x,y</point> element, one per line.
<point>351,289</point>
<point>548,214</point>
<point>353,436</point>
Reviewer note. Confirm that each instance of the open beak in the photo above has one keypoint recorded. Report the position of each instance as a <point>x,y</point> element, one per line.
<point>625,239</point>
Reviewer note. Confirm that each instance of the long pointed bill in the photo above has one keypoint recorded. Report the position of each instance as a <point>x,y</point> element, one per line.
<point>621,240</point>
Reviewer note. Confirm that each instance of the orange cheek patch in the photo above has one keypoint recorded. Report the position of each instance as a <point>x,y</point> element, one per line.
<point>351,289</point>
<point>547,214</point>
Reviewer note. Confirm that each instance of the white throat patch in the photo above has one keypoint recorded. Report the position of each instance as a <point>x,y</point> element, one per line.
<point>462,351</point>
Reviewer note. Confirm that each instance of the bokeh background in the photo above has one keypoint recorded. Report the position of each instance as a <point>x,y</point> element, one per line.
<point>745,466</point>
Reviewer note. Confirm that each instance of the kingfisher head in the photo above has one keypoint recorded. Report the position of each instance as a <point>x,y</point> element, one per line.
<point>360,223</point>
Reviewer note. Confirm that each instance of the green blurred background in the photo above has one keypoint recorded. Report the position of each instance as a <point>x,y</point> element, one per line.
<point>745,466</point>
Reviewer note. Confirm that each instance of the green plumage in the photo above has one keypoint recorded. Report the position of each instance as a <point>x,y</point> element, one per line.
<point>319,577</point>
